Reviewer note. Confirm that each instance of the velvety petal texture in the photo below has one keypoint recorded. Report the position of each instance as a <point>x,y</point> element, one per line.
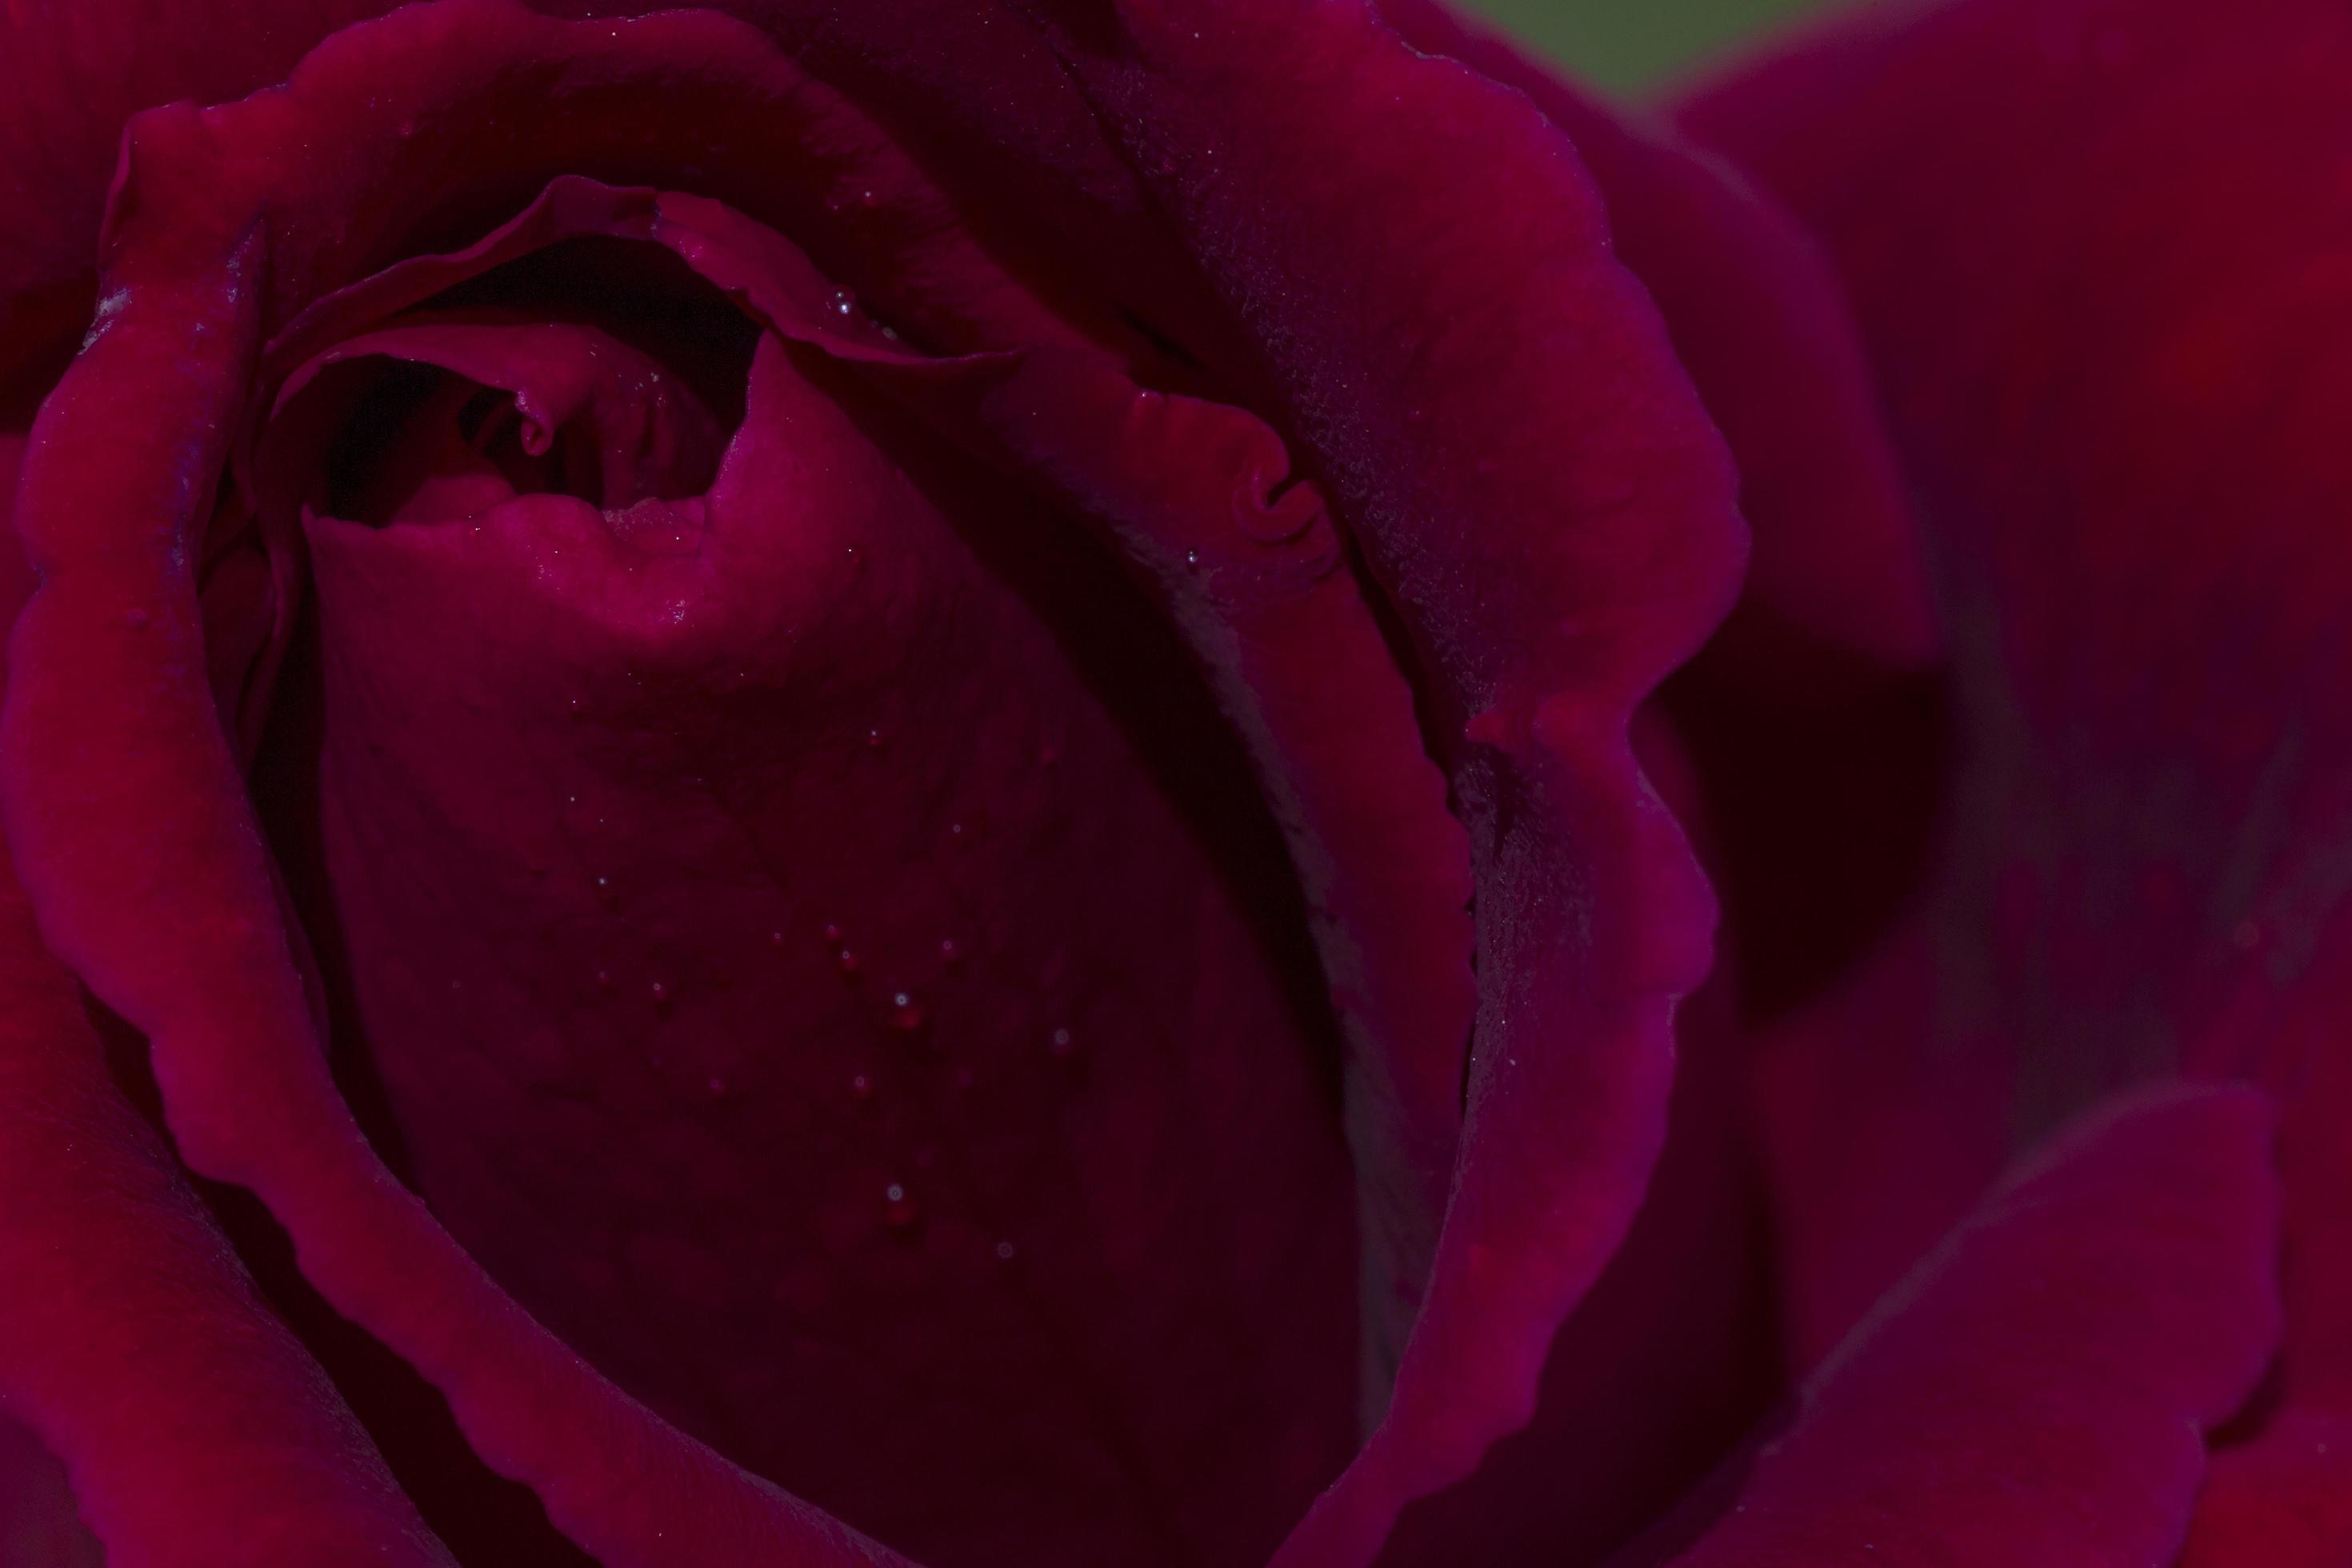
<point>473,528</point>
<point>1496,570</point>
<point>900,805</point>
<point>2034,1392</point>
<point>2109,318</point>
<point>192,1427</point>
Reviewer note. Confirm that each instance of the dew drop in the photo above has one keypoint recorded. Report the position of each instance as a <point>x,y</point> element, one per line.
<point>950,951</point>
<point>1060,1044</point>
<point>604,981</point>
<point>1193,559</point>
<point>604,894</point>
<point>660,991</point>
<point>1004,1252</point>
<point>843,302</point>
<point>873,740</point>
<point>907,1015</point>
<point>833,935</point>
<point>776,937</point>
<point>861,1087</point>
<point>898,1209</point>
<point>848,962</point>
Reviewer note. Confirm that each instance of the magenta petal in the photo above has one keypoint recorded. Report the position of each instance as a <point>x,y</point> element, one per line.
<point>2282,1500</point>
<point>1261,590</point>
<point>158,893</point>
<point>1834,614</point>
<point>1534,488</point>
<point>2032,1394</point>
<point>1758,322</point>
<point>70,76</point>
<point>194,1427</point>
<point>2098,252</point>
<point>40,1523</point>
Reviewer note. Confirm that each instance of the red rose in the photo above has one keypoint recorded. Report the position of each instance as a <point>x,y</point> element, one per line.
<point>809,785</point>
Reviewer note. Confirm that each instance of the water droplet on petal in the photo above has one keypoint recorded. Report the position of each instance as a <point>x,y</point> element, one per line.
<point>950,952</point>
<point>660,991</point>
<point>861,1087</point>
<point>1004,1252</point>
<point>907,1015</point>
<point>605,980</point>
<point>1061,1044</point>
<point>898,1209</point>
<point>843,302</point>
<point>833,935</point>
<point>848,962</point>
<point>874,740</point>
<point>1193,559</point>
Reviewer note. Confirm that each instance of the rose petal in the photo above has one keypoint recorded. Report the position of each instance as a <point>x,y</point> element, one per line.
<point>1788,707</point>
<point>1534,488</point>
<point>1444,896</point>
<point>182,928</point>
<point>194,1427</point>
<point>2032,1394</point>
<point>2111,320</point>
<point>38,1524</point>
<point>1758,323</point>
<point>2117,393</point>
<point>815,707</point>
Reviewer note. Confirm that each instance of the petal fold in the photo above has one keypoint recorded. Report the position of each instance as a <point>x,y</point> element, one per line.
<point>2035,1393</point>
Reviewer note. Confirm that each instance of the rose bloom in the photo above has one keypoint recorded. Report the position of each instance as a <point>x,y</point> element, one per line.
<point>1169,782</point>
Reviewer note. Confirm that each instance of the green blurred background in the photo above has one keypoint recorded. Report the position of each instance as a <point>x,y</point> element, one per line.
<point>1628,43</point>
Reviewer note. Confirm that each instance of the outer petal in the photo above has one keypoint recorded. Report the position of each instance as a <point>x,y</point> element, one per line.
<point>1673,1357</point>
<point>194,1428</point>
<point>1533,485</point>
<point>2100,255</point>
<point>2111,320</point>
<point>2033,1394</point>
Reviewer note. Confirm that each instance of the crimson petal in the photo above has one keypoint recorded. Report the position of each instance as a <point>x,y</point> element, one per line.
<point>192,1427</point>
<point>1537,492</point>
<point>2034,1392</point>
<point>2110,316</point>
